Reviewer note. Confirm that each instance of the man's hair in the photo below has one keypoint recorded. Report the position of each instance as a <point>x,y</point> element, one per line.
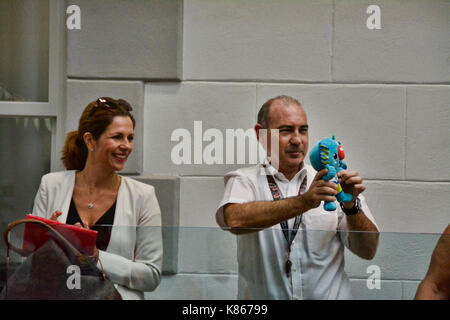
<point>264,112</point>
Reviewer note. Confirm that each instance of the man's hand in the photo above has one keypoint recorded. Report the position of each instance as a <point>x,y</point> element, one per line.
<point>363,244</point>
<point>320,190</point>
<point>251,216</point>
<point>351,183</point>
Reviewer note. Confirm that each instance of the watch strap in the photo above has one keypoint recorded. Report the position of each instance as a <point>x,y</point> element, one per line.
<point>356,208</point>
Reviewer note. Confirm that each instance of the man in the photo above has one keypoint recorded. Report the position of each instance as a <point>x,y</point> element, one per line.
<point>436,285</point>
<point>308,261</point>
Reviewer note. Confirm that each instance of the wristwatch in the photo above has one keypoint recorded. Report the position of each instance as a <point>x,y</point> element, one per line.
<point>356,208</point>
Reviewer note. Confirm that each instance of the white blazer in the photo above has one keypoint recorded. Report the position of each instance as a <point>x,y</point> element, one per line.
<point>133,258</point>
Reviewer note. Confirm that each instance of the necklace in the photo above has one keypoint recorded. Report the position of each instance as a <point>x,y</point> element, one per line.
<point>91,203</point>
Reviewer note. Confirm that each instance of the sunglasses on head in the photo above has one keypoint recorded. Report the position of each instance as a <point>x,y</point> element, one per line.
<point>110,104</point>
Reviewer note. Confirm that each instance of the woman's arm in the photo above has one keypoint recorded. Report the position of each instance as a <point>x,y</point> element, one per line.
<point>40,200</point>
<point>143,273</point>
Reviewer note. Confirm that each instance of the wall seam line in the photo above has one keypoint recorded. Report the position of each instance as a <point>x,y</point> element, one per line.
<point>332,41</point>
<point>406,134</point>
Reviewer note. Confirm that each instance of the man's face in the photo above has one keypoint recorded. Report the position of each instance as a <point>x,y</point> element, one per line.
<point>292,125</point>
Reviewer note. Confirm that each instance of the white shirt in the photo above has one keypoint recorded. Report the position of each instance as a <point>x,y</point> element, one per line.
<point>317,252</point>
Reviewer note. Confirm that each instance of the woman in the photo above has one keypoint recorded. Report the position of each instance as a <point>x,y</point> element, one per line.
<point>91,193</point>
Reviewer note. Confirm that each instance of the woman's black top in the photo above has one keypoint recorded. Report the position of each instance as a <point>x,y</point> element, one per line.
<point>104,232</point>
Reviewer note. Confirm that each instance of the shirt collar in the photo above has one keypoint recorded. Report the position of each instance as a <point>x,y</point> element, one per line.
<point>270,170</point>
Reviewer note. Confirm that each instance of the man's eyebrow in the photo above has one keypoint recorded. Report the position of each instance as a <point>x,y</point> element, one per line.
<point>286,126</point>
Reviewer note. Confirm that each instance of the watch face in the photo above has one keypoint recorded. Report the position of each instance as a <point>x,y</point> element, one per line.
<point>358,204</point>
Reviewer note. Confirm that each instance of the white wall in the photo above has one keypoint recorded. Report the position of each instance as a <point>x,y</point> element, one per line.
<point>385,94</point>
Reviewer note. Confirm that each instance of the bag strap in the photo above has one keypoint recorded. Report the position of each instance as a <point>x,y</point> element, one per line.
<point>56,234</point>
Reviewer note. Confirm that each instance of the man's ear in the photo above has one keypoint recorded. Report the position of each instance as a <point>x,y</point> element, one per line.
<point>257,128</point>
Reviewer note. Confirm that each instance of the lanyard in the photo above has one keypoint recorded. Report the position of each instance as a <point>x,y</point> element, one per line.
<point>288,235</point>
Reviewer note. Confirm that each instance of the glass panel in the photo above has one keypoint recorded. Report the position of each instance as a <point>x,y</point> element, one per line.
<point>24,54</point>
<point>208,264</point>
<point>25,152</point>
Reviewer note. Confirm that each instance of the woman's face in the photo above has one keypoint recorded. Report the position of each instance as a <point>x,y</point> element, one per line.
<point>115,144</point>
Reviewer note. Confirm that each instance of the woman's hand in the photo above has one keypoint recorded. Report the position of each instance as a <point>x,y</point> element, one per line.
<point>79,225</point>
<point>86,226</point>
<point>55,215</point>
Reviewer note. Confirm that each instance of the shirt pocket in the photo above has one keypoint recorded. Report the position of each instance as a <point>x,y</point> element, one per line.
<point>320,229</point>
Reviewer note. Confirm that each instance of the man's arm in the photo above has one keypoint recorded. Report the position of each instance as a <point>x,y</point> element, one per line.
<point>363,235</point>
<point>436,284</point>
<point>263,214</point>
<point>241,218</point>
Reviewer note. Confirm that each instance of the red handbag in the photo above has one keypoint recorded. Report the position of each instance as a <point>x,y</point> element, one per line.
<point>48,272</point>
<point>35,236</point>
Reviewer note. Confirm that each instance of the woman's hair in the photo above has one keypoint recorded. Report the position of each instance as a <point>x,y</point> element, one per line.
<point>96,117</point>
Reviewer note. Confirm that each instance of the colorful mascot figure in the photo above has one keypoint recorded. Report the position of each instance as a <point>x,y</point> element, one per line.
<point>328,154</point>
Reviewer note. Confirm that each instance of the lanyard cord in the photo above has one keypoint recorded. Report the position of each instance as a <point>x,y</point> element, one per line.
<point>277,196</point>
<point>288,235</point>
